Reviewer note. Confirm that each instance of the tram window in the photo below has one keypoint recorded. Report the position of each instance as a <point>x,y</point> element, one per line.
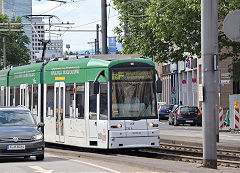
<point>50,100</point>
<point>17,96</point>
<point>30,96</point>
<point>80,100</point>
<point>103,101</point>
<point>92,103</point>
<point>69,97</point>
<point>4,98</point>
<point>11,95</point>
<point>35,99</point>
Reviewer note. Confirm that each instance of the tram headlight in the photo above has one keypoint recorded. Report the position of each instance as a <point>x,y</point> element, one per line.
<point>37,137</point>
<point>119,126</point>
<point>153,125</point>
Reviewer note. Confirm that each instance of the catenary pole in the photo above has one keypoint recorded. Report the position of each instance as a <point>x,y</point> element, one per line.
<point>97,39</point>
<point>209,51</point>
<point>104,26</point>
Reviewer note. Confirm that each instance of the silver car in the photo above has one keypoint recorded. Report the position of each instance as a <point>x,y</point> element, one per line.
<point>20,136</point>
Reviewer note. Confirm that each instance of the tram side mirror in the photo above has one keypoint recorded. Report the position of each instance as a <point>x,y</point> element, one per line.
<point>96,87</point>
<point>159,86</point>
<point>40,124</point>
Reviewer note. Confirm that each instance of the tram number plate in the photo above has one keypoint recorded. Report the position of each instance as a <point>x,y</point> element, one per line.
<point>189,121</point>
<point>16,147</point>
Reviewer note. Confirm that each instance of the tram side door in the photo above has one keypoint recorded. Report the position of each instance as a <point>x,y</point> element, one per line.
<point>24,95</point>
<point>59,107</point>
<point>92,103</point>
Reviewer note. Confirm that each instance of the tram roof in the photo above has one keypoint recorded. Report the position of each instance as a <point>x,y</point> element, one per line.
<point>77,63</point>
<point>92,63</point>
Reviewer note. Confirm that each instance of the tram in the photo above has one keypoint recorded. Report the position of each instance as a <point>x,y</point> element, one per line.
<point>82,102</point>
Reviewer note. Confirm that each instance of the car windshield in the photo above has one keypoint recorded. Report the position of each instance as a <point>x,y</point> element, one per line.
<point>169,107</point>
<point>133,95</point>
<point>16,118</point>
<point>189,109</point>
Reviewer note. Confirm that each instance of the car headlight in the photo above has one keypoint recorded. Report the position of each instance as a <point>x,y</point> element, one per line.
<point>37,137</point>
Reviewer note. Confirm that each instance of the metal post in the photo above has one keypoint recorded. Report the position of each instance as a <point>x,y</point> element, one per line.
<point>104,26</point>
<point>97,39</point>
<point>209,43</point>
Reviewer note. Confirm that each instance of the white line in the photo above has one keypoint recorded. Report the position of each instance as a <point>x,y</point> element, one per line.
<point>101,167</point>
<point>40,169</point>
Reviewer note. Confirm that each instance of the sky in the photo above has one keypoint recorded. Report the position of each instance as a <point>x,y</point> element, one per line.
<point>85,14</point>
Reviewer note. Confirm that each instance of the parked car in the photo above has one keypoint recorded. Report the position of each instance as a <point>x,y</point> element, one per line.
<point>161,103</point>
<point>185,115</point>
<point>20,136</point>
<point>164,111</point>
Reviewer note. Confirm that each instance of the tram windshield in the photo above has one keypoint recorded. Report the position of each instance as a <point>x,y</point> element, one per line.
<point>133,94</point>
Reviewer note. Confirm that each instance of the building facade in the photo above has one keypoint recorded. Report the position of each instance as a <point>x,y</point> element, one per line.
<point>54,49</point>
<point>19,8</point>
<point>182,82</point>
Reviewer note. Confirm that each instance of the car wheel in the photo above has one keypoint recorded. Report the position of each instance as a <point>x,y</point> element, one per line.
<point>175,121</point>
<point>40,157</point>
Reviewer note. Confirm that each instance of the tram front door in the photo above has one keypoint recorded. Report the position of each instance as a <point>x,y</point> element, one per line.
<point>59,107</point>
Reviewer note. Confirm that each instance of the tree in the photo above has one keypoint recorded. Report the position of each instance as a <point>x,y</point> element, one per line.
<point>16,49</point>
<point>168,29</point>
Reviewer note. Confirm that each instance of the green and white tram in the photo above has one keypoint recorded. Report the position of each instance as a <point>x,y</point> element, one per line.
<point>88,102</point>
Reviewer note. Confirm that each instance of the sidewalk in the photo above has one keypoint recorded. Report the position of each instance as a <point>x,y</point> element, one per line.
<point>229,139</point>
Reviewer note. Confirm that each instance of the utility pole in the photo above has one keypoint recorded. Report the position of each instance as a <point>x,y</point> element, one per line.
<point>3,39</point>
<point>209,51</point>
<point>104,26</point>
<point>97,40</point>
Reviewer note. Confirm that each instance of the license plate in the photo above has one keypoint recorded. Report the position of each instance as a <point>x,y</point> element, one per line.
<point>189,121</point>
<point>16,147</point>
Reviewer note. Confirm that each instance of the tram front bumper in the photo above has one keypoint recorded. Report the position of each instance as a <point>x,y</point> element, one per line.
<point>142,139</point>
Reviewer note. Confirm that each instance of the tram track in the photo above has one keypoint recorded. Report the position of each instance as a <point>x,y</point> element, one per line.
<point>191,154</point>
<point>227,158</point>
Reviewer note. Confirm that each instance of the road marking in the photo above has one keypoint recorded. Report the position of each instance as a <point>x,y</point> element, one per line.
<point>40,169</point>
<point>97,166</point>
<point>90,164</point>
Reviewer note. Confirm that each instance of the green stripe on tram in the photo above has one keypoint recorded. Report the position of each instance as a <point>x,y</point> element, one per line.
<point>3,77</point>
<point>69,71</point>
<point>75,71</point>
<point>27,74</point>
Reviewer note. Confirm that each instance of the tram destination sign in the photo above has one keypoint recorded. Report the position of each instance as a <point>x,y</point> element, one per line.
<point>132,75</point>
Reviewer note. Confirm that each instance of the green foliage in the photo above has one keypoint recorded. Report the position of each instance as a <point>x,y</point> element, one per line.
<point>16,49</point>
<point>71,53</point>
<point>167,29</point>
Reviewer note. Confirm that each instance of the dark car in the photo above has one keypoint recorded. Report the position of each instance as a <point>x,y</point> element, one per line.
<point>164,111</point>
<point>20,136</point>
<point>185,115</point>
